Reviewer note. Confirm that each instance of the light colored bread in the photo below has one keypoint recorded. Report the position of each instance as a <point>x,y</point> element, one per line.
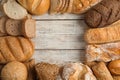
<point>103,52</point>
<point>109,33</point>
<point>46,71</point>
<point>101,72</point>
<point>13,27</point>
<point>3,20</point>
<point>77,71</point>
<point>29,28</point>
<point>114,67</point>
<point>36,7</point>
<point>13,10</point>
<point>14,71</point>
<point>15,48</point>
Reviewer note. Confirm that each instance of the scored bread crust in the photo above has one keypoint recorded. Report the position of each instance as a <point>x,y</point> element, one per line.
<point>13,27</point>
<point>29,28</point>
<point>13,10</point>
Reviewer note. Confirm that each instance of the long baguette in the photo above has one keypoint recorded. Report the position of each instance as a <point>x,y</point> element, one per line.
<point>109,33</point>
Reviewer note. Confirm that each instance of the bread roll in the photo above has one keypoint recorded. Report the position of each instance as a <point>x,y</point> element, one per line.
<point>104,13</point>
<point>103,52</point>
<point>103,35</point>
<point>114,67</point>
<point>14,71</point>
<point>13,10</point>
<point>101,72</point>
<point>36,7</point>
<point>15,48</point>
<point>46,71</point>
<point>77,71</point>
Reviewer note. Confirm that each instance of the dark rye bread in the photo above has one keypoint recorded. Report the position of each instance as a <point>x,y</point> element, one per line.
<point>104,13</point>
<point>13,27</point>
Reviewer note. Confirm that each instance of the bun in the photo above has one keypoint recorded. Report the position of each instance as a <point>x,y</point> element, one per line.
<point>109,33</point>
<point>15,48</point>
<point>36,7</point>
<point>14,71</point>
<point>103,14</point>
<point>13,10</point>
<point>114,67</point>
<point>76,71</point>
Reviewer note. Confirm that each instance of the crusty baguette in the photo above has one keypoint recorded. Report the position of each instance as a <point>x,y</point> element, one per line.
<point>13,10</point>
<point>13,27</point>
<point>29,28</point>
<point>103,52</point>
<point>15,48</point>
<point>3,20</point>
<point>110,33</point>
<point>101,72</point>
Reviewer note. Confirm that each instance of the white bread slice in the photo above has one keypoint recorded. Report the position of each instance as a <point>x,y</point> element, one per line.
<point>13,10</point>
<point>29,28</point>
<point>13,27</point>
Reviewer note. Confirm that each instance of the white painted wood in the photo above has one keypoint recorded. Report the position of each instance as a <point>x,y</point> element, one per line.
<point>60,34</point>
<point>59,16</point>
<point>59,56</point>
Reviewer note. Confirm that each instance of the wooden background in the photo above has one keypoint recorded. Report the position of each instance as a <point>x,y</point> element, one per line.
<point>59,38</point>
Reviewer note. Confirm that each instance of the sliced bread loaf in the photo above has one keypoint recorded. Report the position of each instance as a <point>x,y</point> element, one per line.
<point>29,28</point>
<point>13,10</point>
<point>13,27</point>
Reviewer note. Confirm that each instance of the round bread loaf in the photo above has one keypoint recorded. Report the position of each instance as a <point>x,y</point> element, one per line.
<point>36,7</point>
<point>114,67</point>
<point>14,71</point>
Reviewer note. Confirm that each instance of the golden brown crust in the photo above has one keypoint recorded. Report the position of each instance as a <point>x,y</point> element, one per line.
<point>101,72</point>
<point>103,35</point>
<point>47,71</point>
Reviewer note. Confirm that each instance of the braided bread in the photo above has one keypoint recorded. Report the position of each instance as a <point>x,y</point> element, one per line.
<point>15,48</point>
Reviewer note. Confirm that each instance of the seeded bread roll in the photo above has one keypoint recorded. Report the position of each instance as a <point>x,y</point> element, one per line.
<point>104,13</point>
<point>15,48</point>
<point>13,27</point>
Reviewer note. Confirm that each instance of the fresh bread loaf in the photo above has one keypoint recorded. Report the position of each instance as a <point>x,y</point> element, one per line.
<point>13,10</point>
<point>103,52</point>
<point>71,6</point>
<point>104,13</point>
<point>14,71</point>
<point>46,71</point>
<point>101,71</point>
<point>36,7</point>
<point>109,33</point>
<point>114,67</point>
<point>15,48</point>
<point>77,71</point>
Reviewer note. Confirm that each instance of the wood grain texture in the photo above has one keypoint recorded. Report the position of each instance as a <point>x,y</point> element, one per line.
<point>60,34</point>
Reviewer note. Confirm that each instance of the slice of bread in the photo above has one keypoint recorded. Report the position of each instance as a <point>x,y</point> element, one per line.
<point>3,20</point>
<point>13,10</point>
<point>13,27</point>
<point>29,28</point>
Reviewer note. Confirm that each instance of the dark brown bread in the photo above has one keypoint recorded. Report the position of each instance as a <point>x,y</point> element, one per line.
<point>15,48</point>
<point>104,13</point>
<point>46,71</point>
<point>13,27</point>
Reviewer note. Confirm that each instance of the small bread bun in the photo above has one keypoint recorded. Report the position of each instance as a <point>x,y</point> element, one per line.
<point>114,67</point>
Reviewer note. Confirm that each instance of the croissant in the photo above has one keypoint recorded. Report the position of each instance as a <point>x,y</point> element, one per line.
<point>15,48</point>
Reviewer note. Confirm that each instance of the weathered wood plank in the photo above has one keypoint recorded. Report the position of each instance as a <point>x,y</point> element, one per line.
<point>60,34</point>
<point>59,16</point>
<point>59,56</point>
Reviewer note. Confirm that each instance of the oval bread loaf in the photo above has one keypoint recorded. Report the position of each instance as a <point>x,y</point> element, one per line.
<point>14,71</point>
<point>15,48</point>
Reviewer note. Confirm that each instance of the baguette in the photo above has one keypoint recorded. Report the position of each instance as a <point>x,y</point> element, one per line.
<point>103,52</point>
<point>13,10</point>
<point>104,35</point>
<point>15,48</point>
<point>13,27</point>
<point>101,72</point>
